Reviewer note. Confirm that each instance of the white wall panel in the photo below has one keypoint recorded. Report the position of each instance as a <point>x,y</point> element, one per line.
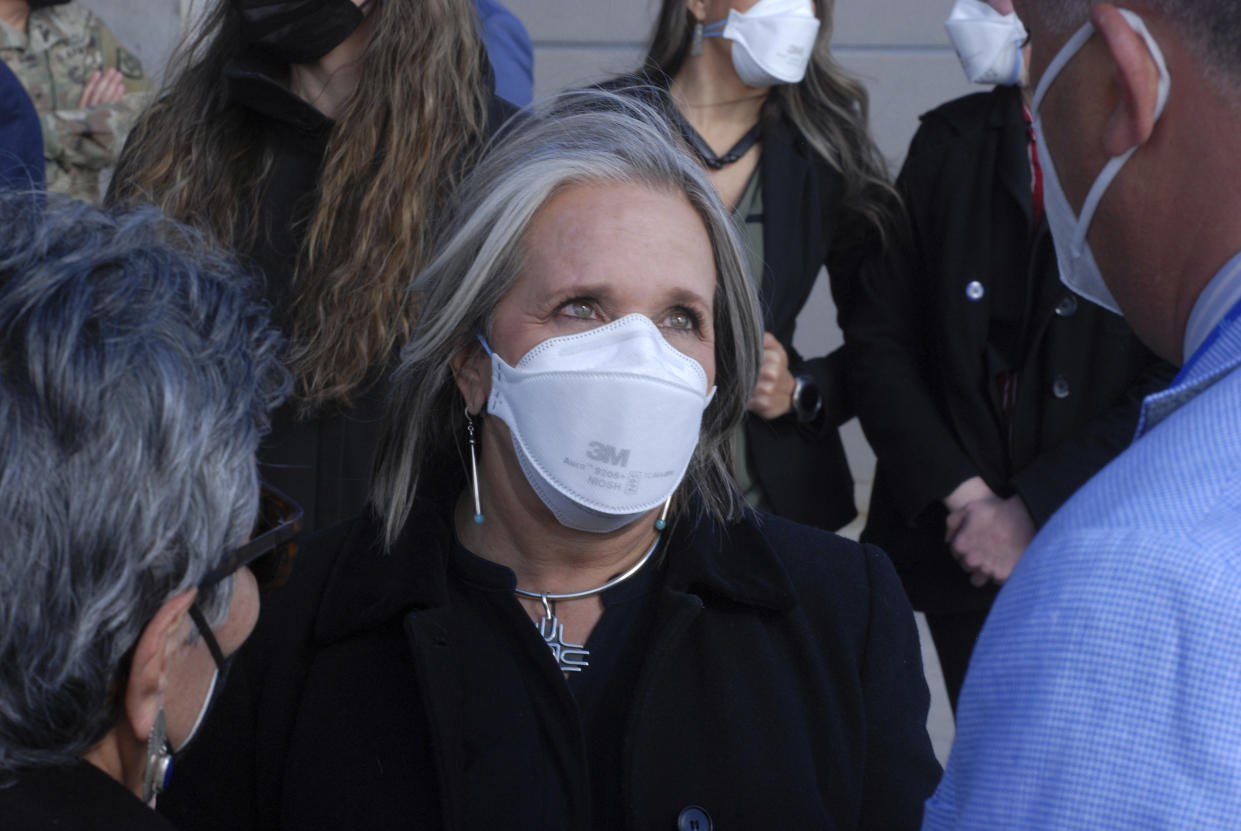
<point>586,21</point>
<point>567,66</point>
<point>891,22</point>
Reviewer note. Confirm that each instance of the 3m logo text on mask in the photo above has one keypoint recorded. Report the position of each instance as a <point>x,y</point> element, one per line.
<point>607,454</point>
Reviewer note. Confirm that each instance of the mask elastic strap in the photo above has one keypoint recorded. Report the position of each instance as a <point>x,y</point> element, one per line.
<point>1100,186</point>
<point>483,341</point>
<point>1021,60</point>
<point>204,629</point>
<point>1113,166</point>
<point>202,713</point>
<point>714,30</point>
<point>1075,44</point>
<point>1070,48</point>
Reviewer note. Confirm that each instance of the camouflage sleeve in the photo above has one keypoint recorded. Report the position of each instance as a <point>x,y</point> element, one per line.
<point>91,137</point>
<point>116,55</point>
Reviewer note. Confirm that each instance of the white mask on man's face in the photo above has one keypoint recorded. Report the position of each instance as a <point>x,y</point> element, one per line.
<point>988,43</point>
<point>1078,269</point>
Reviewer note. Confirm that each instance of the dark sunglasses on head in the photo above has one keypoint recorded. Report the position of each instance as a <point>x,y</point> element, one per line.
<point>272,547</point>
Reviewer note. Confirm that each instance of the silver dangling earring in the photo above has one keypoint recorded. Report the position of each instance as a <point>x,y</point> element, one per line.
<point>695,42</point>
<point>469,431</point>
<point>157,770</point>
<point>662,522</point>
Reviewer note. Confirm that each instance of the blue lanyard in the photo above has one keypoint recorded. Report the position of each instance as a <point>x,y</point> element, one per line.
<point>1228,320</point>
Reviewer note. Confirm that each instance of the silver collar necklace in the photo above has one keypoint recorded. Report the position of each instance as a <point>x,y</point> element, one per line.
<point>574,657</point>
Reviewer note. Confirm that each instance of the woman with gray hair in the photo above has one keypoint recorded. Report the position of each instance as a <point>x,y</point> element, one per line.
<point>135,382</point>
<point>561,615</point>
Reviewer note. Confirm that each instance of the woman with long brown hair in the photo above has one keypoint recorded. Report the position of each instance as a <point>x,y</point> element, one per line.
<point>319,138</point>
<point>782,130</point>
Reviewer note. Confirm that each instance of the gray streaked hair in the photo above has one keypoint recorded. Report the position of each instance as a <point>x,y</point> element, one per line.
<point>579,138</point>
<point>1211,27</point>
<point>136,379</point>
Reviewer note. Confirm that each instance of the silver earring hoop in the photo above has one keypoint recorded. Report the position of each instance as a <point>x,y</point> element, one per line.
<point>157,769</point>
<point>695,42</point>
<point>469,431</point>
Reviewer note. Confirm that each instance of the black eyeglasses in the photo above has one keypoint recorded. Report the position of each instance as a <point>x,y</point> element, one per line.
<point>272,548</point>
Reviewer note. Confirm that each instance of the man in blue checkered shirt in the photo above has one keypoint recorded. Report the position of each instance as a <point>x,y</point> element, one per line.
<point>1105,690</point>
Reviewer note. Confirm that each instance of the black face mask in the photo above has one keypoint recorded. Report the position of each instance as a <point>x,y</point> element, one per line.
<point>297,31</point>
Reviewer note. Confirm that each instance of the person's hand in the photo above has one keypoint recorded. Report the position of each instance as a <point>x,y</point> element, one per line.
<point>773,394</point>
<point>105,87</point>
<point>966,492</point>
<point>988,537</point>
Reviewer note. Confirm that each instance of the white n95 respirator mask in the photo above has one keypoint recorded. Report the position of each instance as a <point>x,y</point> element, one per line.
<point>1078,269</point>
<point>772,42</point>
<point>987,42</point>
<point>604,422</point>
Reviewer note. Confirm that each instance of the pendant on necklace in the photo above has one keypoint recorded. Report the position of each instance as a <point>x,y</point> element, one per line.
<point>570,657</point>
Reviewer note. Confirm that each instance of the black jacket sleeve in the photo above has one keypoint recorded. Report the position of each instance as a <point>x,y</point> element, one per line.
<point>888,367</point>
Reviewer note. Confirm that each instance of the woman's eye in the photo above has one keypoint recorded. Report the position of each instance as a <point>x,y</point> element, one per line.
<point>681,319</point>
<point>579,309</point>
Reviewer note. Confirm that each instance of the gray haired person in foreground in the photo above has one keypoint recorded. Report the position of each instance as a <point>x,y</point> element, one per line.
<point>135,382</point>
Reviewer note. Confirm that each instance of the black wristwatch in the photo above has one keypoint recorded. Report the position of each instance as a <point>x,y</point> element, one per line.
<point>807,400</point>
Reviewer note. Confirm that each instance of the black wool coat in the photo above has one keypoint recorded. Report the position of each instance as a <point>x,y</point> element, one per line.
<point>76,797</point>
<point>782,688</point>
<point>925,392</point>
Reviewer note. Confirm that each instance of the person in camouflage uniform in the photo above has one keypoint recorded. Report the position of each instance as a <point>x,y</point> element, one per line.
<point>87,88</point>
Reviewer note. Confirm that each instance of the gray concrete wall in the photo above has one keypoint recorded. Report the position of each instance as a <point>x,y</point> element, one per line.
<point>150,28</point>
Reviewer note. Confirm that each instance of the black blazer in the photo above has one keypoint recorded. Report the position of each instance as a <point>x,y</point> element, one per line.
<point>783,689</point>
<point>918,339</point>
<point>802,467</point>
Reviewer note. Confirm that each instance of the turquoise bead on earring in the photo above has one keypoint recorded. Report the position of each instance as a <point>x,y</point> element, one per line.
<point>662,522</point>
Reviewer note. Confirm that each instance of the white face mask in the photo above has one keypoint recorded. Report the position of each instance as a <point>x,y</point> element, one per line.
<point>208,700</point>
<point>604,422</point>
<point>772,42</point>
<point>987,42</point>
<point>1078,269</point>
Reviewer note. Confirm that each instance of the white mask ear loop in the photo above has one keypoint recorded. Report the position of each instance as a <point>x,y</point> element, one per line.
<point>1113,166</point>
<point>202,712</point>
